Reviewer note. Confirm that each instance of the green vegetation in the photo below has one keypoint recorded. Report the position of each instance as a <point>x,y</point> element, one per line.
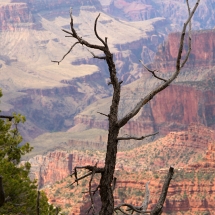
<point>20,191</point>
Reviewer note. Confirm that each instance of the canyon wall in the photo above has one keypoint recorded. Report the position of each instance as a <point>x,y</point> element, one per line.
<point>191,189</point>
<point>177,148</point>
<point>202,54</point>
<point>50,96</point>
<point>173,109</point>
<point>21,14</point>
<point>15,17</point>
<point>175,11</point>
<point>188,100</point>
<point>50,5</point>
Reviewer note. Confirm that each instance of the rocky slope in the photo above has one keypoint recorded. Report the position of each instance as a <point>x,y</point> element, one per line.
<point>177,149</point>
<point>190,152</point>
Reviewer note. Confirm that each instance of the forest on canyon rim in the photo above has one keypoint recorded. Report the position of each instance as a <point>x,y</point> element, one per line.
<point>67,131</point>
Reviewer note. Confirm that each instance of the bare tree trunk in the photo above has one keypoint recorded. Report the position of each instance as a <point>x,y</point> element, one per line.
<point>107,172</point>
<point>106,191</point>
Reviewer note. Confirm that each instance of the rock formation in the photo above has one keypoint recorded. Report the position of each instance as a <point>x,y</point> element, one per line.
<point>192,188</point>
<point>15,16</point>
<point>50,5</point>
<point>202,54</point>
<point>174,11</point>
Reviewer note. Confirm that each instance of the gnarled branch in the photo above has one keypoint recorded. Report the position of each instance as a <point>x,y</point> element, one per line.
<point>90,192</point>
<point>152,71</point>
<point>136,138</point>
<point>161,87</point>
<point>66,53</point>
<point>88,167</point>
<point>82,41</point>
<point>159,206</point>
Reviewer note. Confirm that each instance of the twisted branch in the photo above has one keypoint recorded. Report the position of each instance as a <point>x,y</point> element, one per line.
<point>88,167</point>
<point>136,138</point>
<point>81,41</point>
<point>152,71</point>
<point>90,192</point>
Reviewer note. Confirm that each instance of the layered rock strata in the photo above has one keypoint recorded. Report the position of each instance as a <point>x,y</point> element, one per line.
<point>191,189</point>
<point>15,17</point>
<point>202,54</point>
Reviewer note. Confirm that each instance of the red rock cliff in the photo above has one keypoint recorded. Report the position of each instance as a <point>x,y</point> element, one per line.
<point>172,110</point>
<point>14,16</point>
<point>202,54</point>
<point>191,190</point>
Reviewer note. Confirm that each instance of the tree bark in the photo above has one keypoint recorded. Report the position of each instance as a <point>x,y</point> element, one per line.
<point>106,191</point>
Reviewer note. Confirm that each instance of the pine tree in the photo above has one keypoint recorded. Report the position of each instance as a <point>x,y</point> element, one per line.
<point>18,194</point>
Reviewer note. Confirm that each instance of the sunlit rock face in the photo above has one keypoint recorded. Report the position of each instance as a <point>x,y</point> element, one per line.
<point>202,54</point>
<point>15,16</point>
<point>191,152</point>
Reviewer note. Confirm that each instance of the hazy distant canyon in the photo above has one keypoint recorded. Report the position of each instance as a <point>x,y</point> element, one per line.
<point>61,102</point>
<point>31,37</point>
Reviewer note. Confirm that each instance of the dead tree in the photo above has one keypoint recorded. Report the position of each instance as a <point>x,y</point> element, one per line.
<point>107,181</point>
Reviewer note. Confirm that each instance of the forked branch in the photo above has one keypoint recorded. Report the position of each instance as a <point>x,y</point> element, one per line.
<point>161,87</point>
<point>95,30</point>
<point>81,41</point>
<point>92,169</point>
<point>158,207</point>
